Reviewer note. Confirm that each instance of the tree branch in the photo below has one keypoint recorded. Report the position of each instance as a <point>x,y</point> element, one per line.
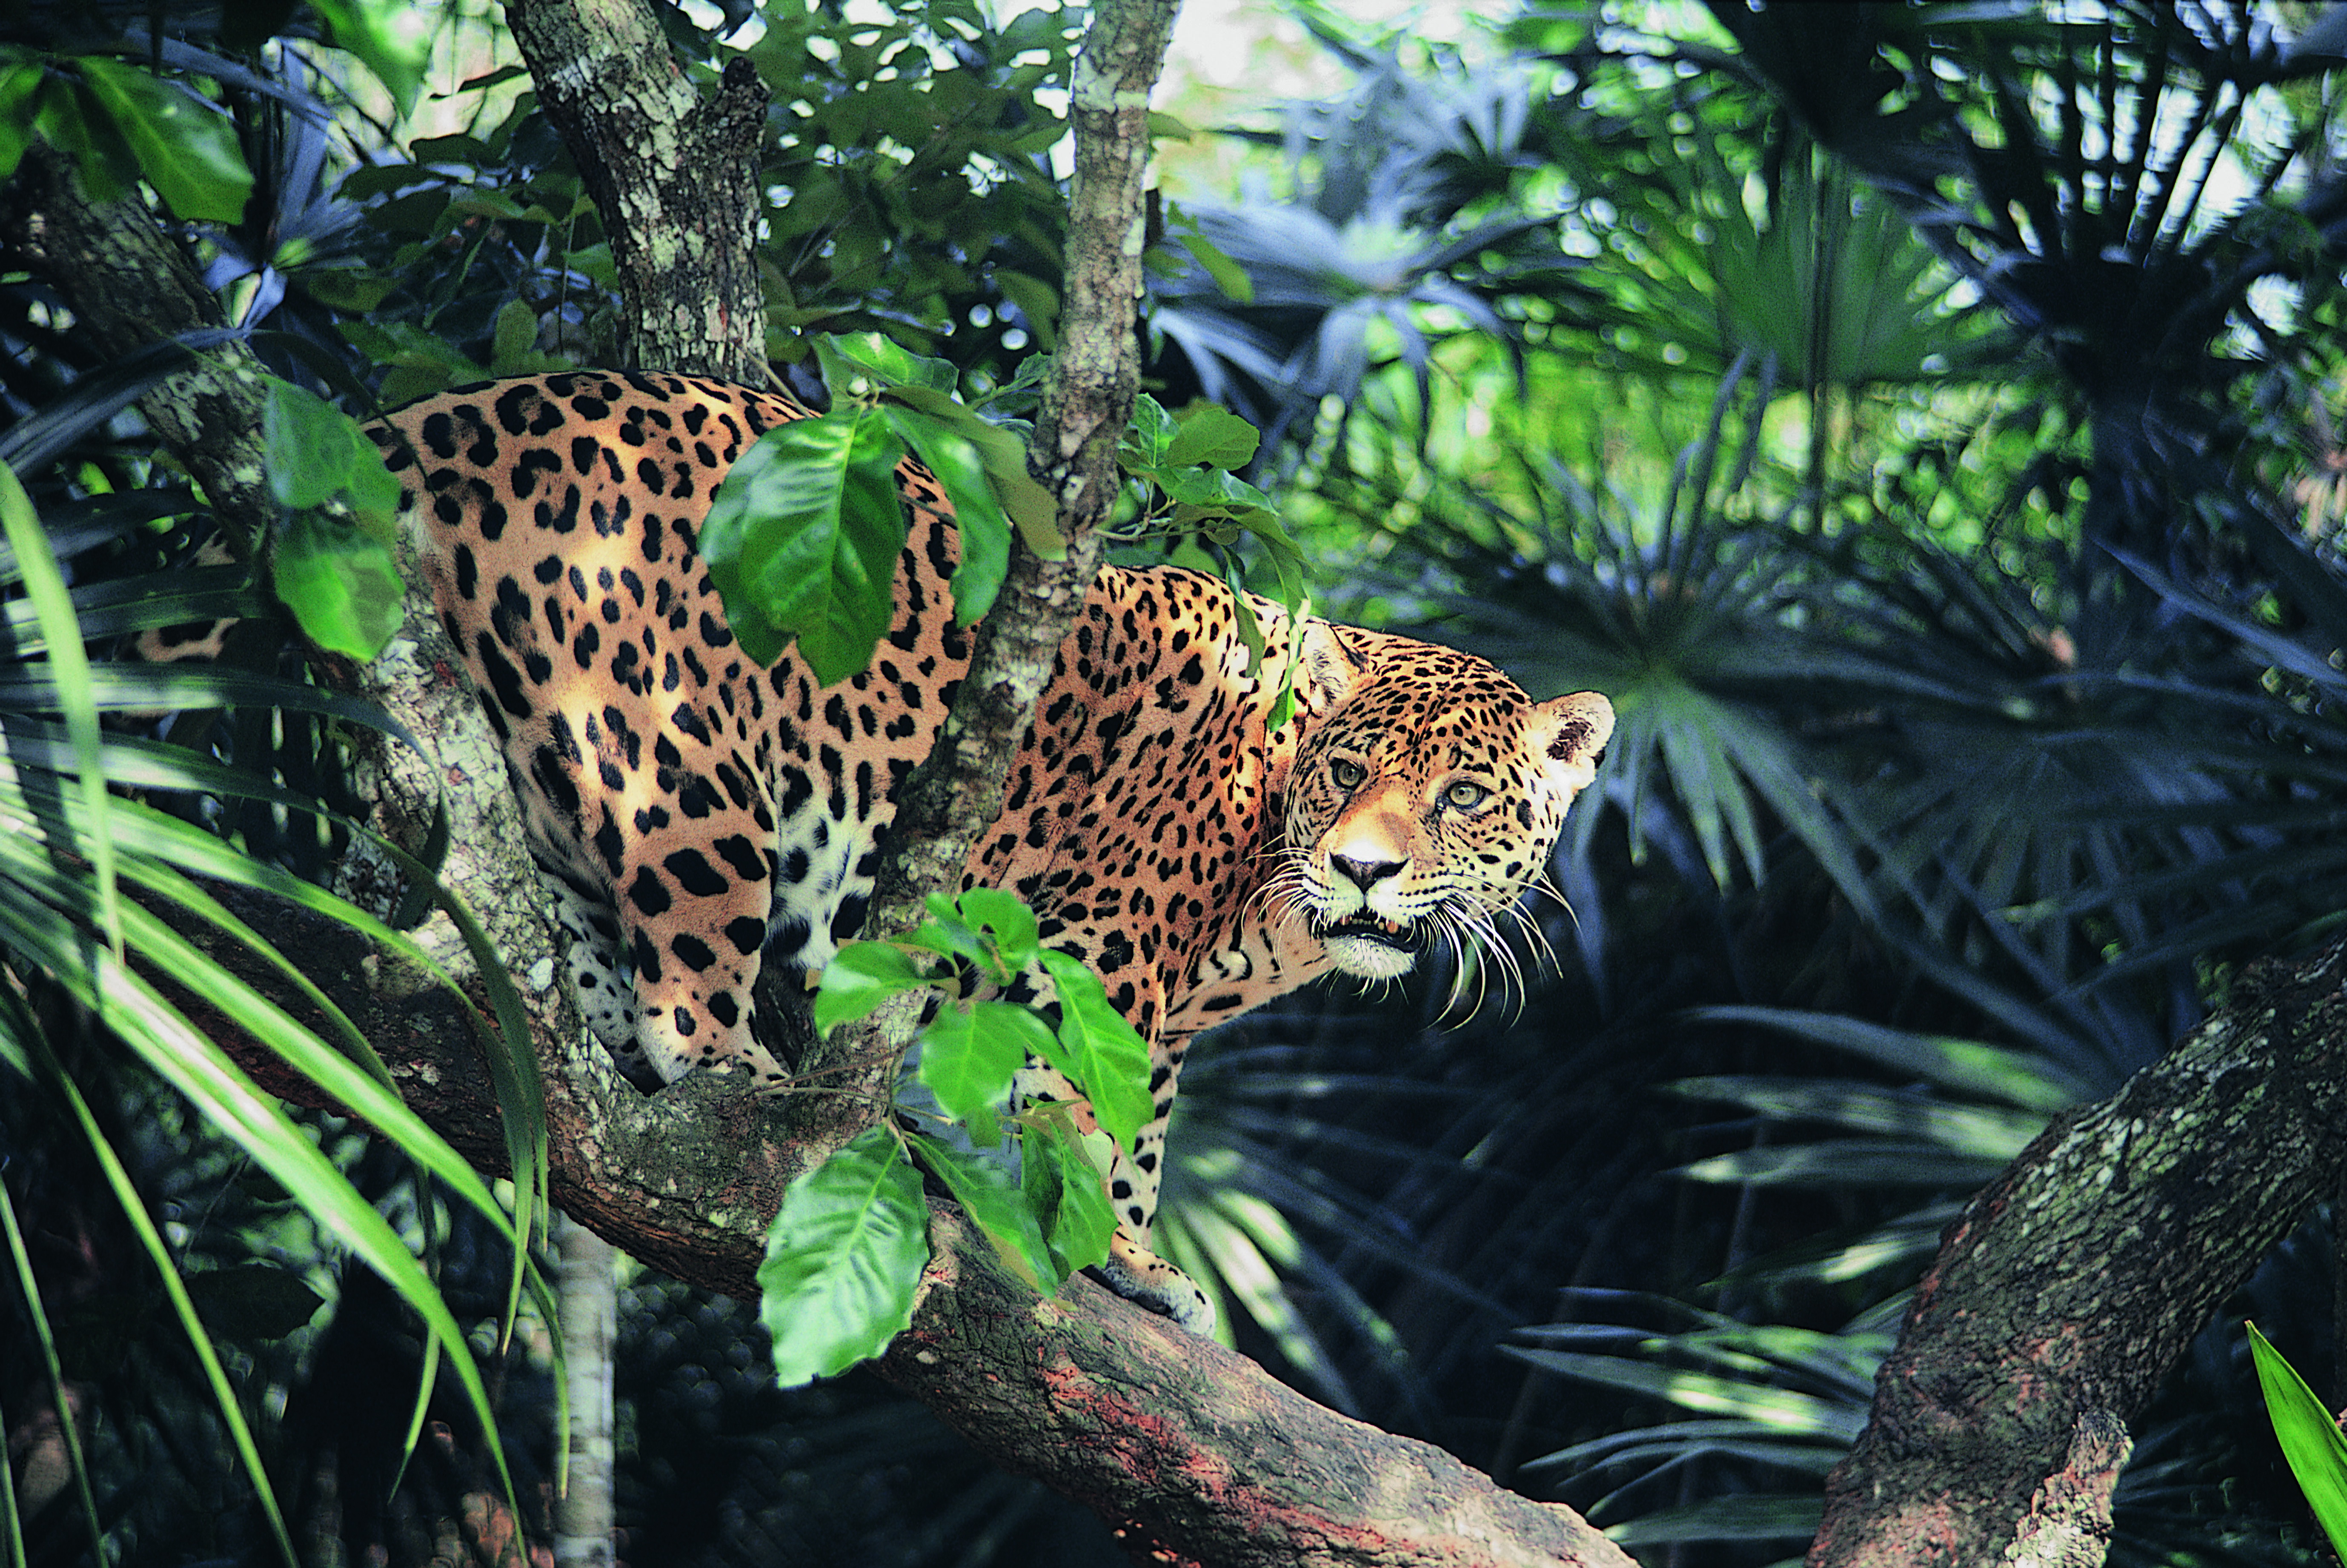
<point>674,176</point>
<point>2071,1284</point>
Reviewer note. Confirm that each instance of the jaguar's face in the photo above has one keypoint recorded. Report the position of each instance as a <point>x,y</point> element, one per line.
<point>1415,813</point>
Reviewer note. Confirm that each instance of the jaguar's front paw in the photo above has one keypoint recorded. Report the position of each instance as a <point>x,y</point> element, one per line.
<point>1146,1279</point>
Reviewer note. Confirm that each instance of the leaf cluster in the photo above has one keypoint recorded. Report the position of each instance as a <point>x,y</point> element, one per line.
<point>845,1252</point>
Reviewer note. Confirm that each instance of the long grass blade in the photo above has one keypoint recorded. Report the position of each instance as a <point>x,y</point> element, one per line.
<point>22,1261</point>
<point>44,587</point>
<point>167,1271</point>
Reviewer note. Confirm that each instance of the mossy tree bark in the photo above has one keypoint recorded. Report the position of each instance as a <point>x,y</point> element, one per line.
<point>2071,1284</point>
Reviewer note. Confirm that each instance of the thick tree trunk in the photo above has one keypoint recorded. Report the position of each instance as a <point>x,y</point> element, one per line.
<point>2071,1284</point>
<point>674,176</point>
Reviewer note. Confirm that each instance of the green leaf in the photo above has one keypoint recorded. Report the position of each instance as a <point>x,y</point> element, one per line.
<point>878,359</point>
<point>1037,301</point>
<point>1007,916</point>
<point>1209,434</point>
<point>859,978</point>
<point>984,529</point>
<point>188,152</point>
<point>1148,439</point>
<point>391,37</point>
<point>342,586</point>
<point>1228,275</point>
<point>43,586</point>
<point>71,119</point>
<point>2310,1438</point>
<point>1064,1172</point>
<point>802,540</point>
<point>19,81</point>
<point>315,452</point>
<point>970,1052</point>
<point>843,1257</point>
<point>998,1208</point>
<point>1100,1051</point>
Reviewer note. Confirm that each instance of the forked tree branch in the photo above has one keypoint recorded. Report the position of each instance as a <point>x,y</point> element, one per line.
<point>2070,1285</point>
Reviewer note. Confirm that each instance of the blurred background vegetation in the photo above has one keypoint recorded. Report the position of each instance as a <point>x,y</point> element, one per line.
<point>1918,418</point>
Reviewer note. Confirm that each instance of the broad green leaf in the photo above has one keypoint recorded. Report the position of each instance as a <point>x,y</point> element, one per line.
<point>391,37</point>
<point>983,527</point>
<point>1064,1172</point>
<point>1030,505</point>
<point>843,1257</point>
<point>1209,434</point>
<point>19,81</point>
<point>71,118</point>
<point>879,359</point>
<point>859,978</point>
<point>802,540</point>
<point>188,152</point>
<point>315,452</point>
<point>998,1208</point>
<point>2310,1438</point>
<point>1148,439</point>
<point>341,585</point>
<point>970,1052</point>
<point>1007,917</point>
<point>1100,1051</point>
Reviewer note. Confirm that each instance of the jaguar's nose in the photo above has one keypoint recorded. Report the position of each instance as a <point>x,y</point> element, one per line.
<point>1364,874</point>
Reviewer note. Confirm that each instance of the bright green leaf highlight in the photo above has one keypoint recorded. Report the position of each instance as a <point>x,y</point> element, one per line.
<point>342,586</point>
<point>843,1256</point>
<point>315,452</point>
<point>859,978</point>
<point>802,540</point>
<point>2311,1438</point>
<point>1099,1050</point>
<point>970,1052</point>
<point>18,84</point>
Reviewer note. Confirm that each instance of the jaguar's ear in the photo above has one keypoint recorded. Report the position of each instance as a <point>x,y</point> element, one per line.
<point>1325,668</point>
<point>1571,732</point>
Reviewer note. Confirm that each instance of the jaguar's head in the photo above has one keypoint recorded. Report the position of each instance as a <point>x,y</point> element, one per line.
<point>1424,802</point>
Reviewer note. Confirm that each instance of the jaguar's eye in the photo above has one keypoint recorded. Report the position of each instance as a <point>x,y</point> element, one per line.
<point>1466,795</point>
<point>1346,773</point>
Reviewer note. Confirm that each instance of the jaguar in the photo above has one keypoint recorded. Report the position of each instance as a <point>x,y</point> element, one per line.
<point>699,816</point>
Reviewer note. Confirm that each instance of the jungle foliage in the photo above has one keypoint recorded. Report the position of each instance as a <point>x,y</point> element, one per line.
<point>1917,417</point>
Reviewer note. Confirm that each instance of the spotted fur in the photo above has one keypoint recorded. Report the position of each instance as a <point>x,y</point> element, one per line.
<point>699,816</point>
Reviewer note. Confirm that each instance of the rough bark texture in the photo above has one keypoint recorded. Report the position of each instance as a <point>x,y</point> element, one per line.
<point>674,176</point>
<point>132,287</point>
<point>2069,1286</point>
<point>1087,401</point>
<point>1187,1448</point>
